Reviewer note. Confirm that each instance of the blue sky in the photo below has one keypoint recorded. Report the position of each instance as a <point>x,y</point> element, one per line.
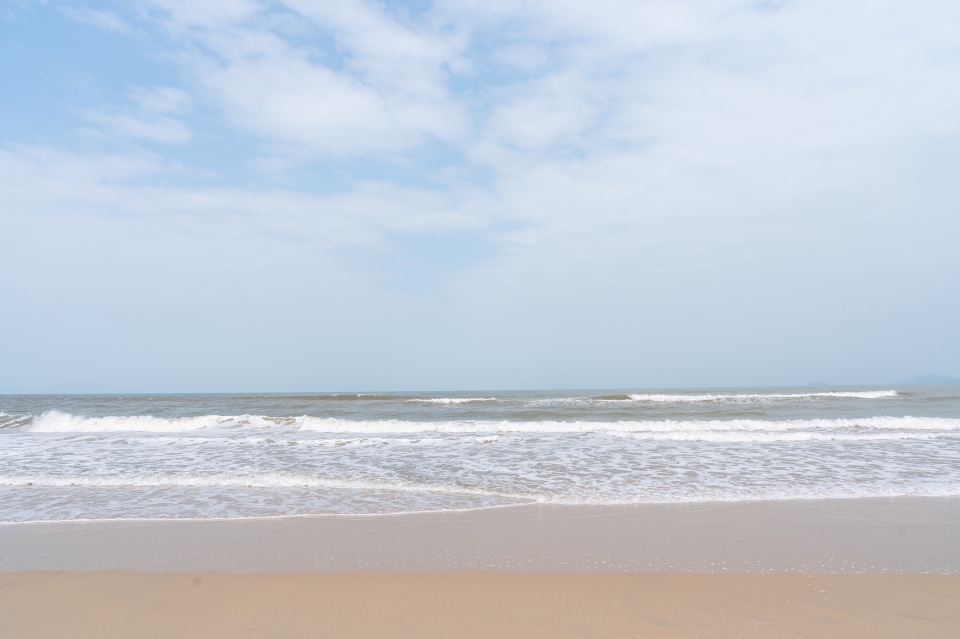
<point>239,195</point>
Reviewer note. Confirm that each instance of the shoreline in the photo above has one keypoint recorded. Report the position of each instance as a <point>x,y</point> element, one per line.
<point>747,569</point>
<point>854,536</point>
<point>472,509</point>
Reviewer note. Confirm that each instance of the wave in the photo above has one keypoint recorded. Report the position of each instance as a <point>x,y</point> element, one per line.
<point>333,442</point>
<point>252,480</point>
<point>678,436</point>
<point>745,398</point>
<point>333,425</point>
<point>449,439</point>
<point>9,422</point>
<point>349,396</point>
<point>684,492</point>
<point>58,422</point>
<point>773,436</point>
<point>453,400</point>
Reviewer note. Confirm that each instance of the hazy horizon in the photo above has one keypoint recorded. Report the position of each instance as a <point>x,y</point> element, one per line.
<point>434,391</point>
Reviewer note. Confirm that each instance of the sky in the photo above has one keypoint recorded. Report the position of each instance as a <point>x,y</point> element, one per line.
<point>237,195</point>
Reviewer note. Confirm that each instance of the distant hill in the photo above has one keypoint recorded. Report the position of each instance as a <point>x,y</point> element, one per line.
<point>817,384</point>
<point>931,379</point>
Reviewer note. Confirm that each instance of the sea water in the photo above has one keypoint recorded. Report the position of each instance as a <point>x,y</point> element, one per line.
<point>268,455</point>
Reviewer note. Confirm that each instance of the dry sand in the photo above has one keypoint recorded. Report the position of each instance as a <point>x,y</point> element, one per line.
<point>104,605</point>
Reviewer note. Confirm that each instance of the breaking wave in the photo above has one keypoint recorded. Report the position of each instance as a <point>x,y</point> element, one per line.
<point>452,400</point>
<point>58,422</point>
<point>764,397</point>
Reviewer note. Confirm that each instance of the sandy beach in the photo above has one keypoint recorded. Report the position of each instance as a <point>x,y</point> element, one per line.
<point>827,568</point>
<point>118,533</point>
<point>104,605</point>
<point>907,535</point>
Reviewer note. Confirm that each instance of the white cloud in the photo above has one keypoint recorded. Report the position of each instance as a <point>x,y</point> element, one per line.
<point>718,83</point>
<point>157,129</point>
<point>288,99</point>
<point>627,112</point>
<point>105,20</point>
<point>388,95</point>
<point>185,14</point>
<point>163,100</point>
<point>152,118</point>
<point>702,173</point>
<point>60,185</point>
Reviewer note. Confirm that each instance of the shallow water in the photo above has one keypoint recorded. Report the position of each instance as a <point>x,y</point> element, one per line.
<point>207,456</point>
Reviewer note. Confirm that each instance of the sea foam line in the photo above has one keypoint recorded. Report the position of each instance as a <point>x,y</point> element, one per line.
<point>649,499</point>
<point>678,398</point>
<point>253,480</point>
<point>57,422</point>
<point>668,398</point>
<point>452,400</point>
<point>60,422</point>
<point>331,515</point>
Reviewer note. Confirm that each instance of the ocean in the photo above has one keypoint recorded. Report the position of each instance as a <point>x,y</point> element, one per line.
<point>109,457</point>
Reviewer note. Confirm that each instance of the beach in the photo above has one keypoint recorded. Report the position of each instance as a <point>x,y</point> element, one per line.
<point>904,535</point>
<point>827,568</point>
<point>104,605</point>
<point>831,512</point>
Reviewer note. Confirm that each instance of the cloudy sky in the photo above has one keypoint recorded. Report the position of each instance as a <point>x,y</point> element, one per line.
<point>236,195</point>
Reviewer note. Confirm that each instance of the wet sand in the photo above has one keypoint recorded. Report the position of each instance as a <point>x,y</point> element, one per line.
<point>106,605</point>
<point>896,535</point>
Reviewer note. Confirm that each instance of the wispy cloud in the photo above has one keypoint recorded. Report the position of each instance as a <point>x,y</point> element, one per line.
<point>153,116</point>
<point>387,93</point>
<point>105,20</point>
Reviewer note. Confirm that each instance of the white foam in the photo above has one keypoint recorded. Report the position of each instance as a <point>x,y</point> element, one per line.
<point>259,480</point>
<point>453,400</point>
<point>762,494</point>
<point>224,485</point>
<point>799,436</point>
<point>250,465</point>
<point>677,398</point>
<point>757,397</point>
<point>57,422</point>
<point>333,425</point>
